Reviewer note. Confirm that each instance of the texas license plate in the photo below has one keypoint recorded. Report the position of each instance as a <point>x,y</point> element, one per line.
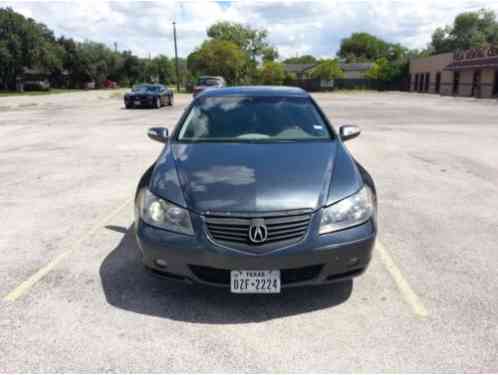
<point>137,102</point>
<point>264,282</point>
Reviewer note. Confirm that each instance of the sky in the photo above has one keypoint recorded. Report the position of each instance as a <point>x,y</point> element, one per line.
<point>294,27</point>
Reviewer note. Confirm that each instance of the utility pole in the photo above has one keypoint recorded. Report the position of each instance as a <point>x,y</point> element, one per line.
<point>176,59</point>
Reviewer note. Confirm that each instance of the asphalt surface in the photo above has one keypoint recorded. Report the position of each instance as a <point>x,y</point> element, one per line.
<point>69,165</point>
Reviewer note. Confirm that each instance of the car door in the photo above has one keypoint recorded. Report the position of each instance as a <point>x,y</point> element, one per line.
<point>162,95</point>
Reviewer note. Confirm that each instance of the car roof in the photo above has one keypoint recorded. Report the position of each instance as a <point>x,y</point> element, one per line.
<point>211,77</point>
<point>255,91</point>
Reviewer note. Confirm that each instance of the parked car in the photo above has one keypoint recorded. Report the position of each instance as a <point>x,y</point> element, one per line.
<point>205,82</point>
<point>255,190</point>
<point>149,95</point>
<point>38,85</point>
<point>108,84</point>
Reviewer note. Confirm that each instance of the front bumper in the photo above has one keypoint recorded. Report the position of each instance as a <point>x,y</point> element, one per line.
<point>139,101</point>
<point>315,260</point>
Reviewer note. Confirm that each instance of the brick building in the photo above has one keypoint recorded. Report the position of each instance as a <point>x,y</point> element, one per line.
<point>471,73</point>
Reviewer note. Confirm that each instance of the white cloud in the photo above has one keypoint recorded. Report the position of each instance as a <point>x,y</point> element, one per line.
<point>295,27</point>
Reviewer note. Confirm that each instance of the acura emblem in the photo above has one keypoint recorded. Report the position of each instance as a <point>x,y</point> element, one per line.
<point>258,232</point>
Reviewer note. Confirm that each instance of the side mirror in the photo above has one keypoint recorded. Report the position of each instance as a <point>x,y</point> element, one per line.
<point>348,132</point>
<point>158,134</point>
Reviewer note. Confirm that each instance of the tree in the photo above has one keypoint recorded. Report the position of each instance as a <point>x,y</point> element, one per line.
<point>327,69</point>
<point>24,43</point>
<point>469,30</point>
<point>305,59</point>
<point>387,71</point>
<point>251,41</point>
<point>270,54</point>
<point>160,69</point>
<point>218,57</point>
<point>364,47</point>
<point>272,73</point>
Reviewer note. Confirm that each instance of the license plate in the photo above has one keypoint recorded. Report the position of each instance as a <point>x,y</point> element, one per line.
<point>137,102</point>
<point>265,282</point>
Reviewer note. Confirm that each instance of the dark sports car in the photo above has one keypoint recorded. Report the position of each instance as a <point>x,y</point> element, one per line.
<point>255,190</point>
<point>149,95</point>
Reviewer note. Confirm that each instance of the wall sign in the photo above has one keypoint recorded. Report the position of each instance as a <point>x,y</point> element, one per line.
<point>476,53</point>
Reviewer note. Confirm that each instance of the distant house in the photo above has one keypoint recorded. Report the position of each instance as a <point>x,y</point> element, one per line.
<point>355,70</point>
<point>355,76</point>
<point>33,79</point>
<point>301,71</point>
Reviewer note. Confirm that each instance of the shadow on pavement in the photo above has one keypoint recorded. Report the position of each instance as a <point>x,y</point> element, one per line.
<point>127,285</point>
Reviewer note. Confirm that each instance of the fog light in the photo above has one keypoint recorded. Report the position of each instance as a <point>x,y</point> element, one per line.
<point>353,261</point>
<point>161,263</point>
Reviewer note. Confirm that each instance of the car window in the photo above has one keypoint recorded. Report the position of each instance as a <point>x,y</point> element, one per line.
<point>252,119</point>
<point>147,88</point>
<point>209,82</point>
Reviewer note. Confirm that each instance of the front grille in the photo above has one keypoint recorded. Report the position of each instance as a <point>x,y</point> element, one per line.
<point>234,232</point>
<point>287,276</point>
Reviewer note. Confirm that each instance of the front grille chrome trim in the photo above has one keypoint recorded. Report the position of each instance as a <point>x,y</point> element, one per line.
<point>232,231</point>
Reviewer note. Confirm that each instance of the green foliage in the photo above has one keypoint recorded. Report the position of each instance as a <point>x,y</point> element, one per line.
<point>364,47</point>
<point>218,57</point>
<point>469,30</point>
<point>25,43</point>
<point>387,71</point>
<point>305,59</point>
<point>270,54</point>
<point>272,73</point>
<point>249,40</point>
<point>327,69</point>
<point>160,69</point>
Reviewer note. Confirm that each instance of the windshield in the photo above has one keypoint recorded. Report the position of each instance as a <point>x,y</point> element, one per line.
<point>147,88</point>
<point>208,82</point>
<point>253,119</point>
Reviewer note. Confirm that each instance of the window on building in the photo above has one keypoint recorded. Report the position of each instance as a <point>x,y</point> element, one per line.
<point>438,82</point>
<point>456,81</point>
<point>415,87</point>
<point>476,84</point>
<point>495,85</point>
<point>427,82</point>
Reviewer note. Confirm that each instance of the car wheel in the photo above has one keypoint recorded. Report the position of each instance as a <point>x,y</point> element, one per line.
<point>170,100</point>
<point>128,106</point>
<point>157,103</point>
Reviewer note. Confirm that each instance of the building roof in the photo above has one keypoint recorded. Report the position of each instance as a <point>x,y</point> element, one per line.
<point>255,91</point>
<point>356,67</point>
<point>298,68</point>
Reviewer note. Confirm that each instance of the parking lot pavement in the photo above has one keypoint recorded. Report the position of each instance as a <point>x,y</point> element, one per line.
<point>73,296</point>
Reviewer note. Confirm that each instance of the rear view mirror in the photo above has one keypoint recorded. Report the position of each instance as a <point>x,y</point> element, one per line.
<point>158,134</point>
<point>349,132</point>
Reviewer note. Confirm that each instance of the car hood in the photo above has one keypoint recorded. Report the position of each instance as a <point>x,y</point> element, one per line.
<point>246,177</point>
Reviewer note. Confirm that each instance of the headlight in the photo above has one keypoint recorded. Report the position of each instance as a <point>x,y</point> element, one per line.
<point>162,214</point>
<point>354,210</point>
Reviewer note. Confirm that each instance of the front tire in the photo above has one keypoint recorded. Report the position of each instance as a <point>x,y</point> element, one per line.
<point>157,103</point>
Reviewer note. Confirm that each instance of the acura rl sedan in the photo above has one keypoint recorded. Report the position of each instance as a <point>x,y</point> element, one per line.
<point>255,191</point>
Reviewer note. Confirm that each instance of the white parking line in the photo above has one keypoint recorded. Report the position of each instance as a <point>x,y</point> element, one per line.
<point>405,289</point>
<point>26,285</point>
